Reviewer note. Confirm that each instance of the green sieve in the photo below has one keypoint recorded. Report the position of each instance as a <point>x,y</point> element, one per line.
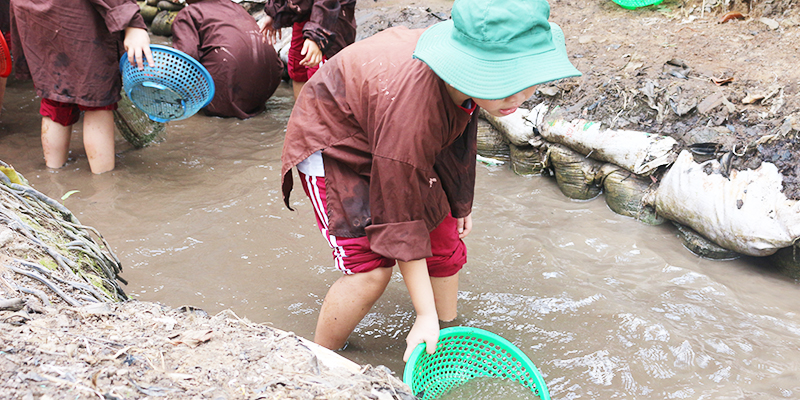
<point>633,4</point>
<point>464,353</point>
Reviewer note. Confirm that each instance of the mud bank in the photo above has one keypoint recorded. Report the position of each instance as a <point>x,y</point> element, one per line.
<point>68,331</point>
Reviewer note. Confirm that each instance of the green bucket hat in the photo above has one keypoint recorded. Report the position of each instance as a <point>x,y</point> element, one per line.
<point>492,49</point>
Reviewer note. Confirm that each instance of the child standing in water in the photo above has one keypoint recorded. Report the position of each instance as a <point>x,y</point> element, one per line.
<point>320,29</point>
<point>71,50</point>
<point>384,141</point>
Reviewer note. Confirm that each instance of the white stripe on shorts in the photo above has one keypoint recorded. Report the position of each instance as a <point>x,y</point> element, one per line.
<point>319,209</point>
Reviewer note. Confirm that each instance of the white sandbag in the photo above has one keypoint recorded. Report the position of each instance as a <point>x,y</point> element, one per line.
<point>746,213</point>
<point>283,44</point>
<point>518,127</point>
<point>638,152</point>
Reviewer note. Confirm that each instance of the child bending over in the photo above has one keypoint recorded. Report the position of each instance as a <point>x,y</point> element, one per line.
<point>227,41</point>
<point>384,140</point>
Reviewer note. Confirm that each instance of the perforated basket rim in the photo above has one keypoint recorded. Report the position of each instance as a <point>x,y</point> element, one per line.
<point>4,73</point>
<point>420,354</point>
<point>166,49</point>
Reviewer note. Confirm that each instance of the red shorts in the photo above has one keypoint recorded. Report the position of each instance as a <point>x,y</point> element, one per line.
<point>67,114</point>
<point>353,255</point>
<point>297,72</point>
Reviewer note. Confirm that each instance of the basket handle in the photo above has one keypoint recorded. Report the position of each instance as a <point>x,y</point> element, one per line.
<point>154,85</point>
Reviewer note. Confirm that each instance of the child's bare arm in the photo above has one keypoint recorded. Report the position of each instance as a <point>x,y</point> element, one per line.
<point>137,44</point>
<point>426,326</point>
<point>312,53</point>
<point>271,35</point>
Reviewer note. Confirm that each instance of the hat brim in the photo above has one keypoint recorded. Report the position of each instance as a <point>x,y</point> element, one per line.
<point>492,79</point>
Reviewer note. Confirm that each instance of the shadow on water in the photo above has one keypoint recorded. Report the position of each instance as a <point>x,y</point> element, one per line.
<point>605,306</point>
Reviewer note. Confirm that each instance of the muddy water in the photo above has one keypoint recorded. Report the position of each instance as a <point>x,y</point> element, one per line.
<point>605,306</point>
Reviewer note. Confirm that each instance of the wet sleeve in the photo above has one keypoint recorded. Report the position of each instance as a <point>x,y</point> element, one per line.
<point>397,204</point>
<point>402,195</point>
<point>405,194</point>
<point>455,166</point>
<point>185,34</point>
<point>322,23</point>
<point>284,13</point>
<point>119,14</point>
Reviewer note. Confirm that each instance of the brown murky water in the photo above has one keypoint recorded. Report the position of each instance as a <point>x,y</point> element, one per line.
<point>605,306</point>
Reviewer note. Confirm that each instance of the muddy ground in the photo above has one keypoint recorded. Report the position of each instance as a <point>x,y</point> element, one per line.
<point>139,350</point>
<point>674,69</point>
<point>724,76</point>
<point>677,69</point>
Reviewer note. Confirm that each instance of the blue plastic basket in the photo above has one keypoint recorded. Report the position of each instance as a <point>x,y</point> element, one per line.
<point>176,88</point>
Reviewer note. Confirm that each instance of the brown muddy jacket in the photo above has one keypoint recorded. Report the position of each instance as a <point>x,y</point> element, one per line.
<point>71,48</point>
<point>399,154</point>
<point>331,23</point>
<point>227,41</point>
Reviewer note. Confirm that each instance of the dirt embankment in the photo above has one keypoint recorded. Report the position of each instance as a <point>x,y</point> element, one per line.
<point>720,75</point>
<point>141,349</point>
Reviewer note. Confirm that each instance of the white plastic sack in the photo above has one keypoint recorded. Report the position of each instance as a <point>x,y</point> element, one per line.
<point>518,126</point>
<point>283,44</point>
<point>637,152</point>
<point>746,213</point>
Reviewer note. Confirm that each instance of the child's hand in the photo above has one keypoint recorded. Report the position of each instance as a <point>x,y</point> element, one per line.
<point>464,226</point>
<point>271,35</point>
<point>137,44</point>
<point>312,53</point>
<point>425,330</point>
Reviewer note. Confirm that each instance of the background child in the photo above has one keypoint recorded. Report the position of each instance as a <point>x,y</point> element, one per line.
<point>320,29</point>
<point>71,50</point>
<point>227,41</point>
<point>384,139</point>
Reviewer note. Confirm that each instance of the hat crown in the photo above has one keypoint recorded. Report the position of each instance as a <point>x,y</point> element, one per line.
<point>492,49</point>
<point>502,27</point>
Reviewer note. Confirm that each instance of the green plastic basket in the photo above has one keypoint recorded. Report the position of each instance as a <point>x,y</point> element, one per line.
<point>464,353</point>
<point>633,4</point>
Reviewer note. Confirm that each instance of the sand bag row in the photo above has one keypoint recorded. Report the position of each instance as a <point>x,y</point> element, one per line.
<point>720,214</point>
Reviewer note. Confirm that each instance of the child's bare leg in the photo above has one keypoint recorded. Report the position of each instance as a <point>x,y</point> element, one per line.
<point>348,300</point>
<point>55,142</point>
<point>445,295</point>
<point>296,86</point>
<point>98,140</point>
